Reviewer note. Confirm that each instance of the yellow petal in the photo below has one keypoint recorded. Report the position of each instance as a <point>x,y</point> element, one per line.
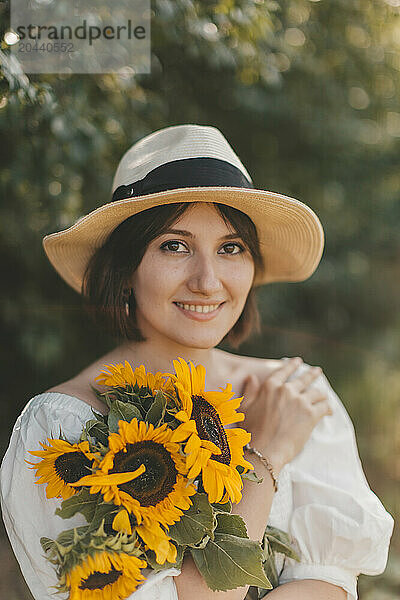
<point>183,431</point>
<point>121,522</point>
<point>193,444</point>
<point>158,541</point>
<point>181,416</point>
<point>211,446</point>
<point>202,458</point>
<point>111,479</point>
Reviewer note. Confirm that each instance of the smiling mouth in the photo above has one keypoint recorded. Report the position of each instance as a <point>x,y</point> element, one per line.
<point>199,308</point>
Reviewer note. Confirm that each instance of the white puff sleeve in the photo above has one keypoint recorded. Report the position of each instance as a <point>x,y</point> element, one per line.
<point>28,514</point>
<point>339,525</point>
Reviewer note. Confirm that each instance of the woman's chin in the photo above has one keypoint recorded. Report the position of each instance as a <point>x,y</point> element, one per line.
<point>200,344</point>
<point>193,334</point>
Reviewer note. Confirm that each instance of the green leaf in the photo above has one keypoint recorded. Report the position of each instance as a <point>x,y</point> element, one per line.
<point>195,523</point>
<point>279,541</point>
<point>203,542</point>
<point>46,543</point>
<point>134,400</point>
<point>252,476</point>
<point>98,430</point>
<point>156,411</point>
<point>270,569</point>
<point>83,502</point>
<point>226,507</point>
<point>68,537</point>
<point>262,593</point>
<point>232,524</point>
<point>252,593</point>
<point>100,395</point>
<point>151,559</point>
<point>121,411</point>
<point>228,562</point>
<point>102,509</point>
<point>277,533</point>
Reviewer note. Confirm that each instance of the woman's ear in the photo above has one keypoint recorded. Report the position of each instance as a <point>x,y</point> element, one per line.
<point>127,295</point>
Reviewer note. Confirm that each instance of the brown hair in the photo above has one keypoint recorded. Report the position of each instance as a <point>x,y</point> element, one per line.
<point>104,286</point>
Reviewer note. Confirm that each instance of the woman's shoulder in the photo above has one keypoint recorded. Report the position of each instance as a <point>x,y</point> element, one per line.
<point>81,386</point>
<point>250,364</point>
<point>236,368</point>
<point>79,389</point>
<point>45,414</point>
<point>58,400</point>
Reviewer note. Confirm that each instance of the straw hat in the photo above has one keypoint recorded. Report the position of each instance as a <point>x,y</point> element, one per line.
<point>193,163</point>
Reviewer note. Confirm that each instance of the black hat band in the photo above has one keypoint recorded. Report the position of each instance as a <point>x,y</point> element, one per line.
<point>188,172</point>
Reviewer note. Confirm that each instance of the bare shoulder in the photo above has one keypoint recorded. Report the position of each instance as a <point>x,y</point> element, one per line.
<point>236,367</point>
<point>79,386</point>
<point>81,390</point>
<point>254,363</point>
<point>74,387</point>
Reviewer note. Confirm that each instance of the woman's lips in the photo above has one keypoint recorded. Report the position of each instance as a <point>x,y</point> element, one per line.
<point>197,316</point>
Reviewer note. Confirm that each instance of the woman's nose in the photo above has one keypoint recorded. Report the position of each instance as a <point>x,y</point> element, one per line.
<point>204,278</point>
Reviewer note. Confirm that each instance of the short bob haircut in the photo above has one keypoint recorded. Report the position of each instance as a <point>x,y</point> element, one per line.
<point>105,284</point>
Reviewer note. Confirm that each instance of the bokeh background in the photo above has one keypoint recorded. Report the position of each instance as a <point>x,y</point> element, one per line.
<point>307,93</point>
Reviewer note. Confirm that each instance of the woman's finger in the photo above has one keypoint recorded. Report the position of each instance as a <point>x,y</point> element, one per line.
<point>305,379</point>
<point>250,389</point>
<point>281,374</point>
<point>321,409</point>
<point>315,395</point>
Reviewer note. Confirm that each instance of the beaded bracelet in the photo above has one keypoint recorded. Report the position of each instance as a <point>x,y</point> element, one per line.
<point>266,463</point>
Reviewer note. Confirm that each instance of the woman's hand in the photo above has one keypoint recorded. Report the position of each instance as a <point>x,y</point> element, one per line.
<point>281,414</point>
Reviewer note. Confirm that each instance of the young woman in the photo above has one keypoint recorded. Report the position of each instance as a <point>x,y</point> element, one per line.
<point>171,266</point>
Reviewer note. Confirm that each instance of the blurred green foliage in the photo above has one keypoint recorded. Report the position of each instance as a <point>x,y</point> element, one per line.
<point>307,93</point>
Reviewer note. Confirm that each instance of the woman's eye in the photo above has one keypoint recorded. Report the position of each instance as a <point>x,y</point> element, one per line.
<point>230,248</point>
<point>172,245</point>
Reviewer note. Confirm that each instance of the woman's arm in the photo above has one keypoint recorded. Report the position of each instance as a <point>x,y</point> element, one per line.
<point>191,584</point>
<point>308,589</point>
<point>283,426</point>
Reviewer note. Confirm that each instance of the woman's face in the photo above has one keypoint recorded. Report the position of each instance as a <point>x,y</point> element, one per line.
<point>198,265</point>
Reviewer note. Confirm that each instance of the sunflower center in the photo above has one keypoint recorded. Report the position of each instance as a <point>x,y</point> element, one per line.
<point>98,581</point>
<point>159,478</point>
<point>209,427</point>
<point>71,466</point>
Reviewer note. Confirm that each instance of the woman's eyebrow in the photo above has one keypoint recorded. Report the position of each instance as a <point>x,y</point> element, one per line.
<point>189,234</point>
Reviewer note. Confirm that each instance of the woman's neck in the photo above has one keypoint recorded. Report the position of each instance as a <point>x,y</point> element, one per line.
<point>156,357</point>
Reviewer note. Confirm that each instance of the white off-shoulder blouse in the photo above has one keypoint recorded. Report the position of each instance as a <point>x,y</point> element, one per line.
<point>339,526</point>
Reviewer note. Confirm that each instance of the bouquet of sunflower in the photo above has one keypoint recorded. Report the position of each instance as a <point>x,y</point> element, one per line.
<point>154,478</point>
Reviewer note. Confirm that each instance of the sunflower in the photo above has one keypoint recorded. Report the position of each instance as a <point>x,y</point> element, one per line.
<point>212,449</point>
<point>120,375</point>
<point>144,472</point>
<point>155,538</point>
<point>62,464</point>
<point>105,576</point>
